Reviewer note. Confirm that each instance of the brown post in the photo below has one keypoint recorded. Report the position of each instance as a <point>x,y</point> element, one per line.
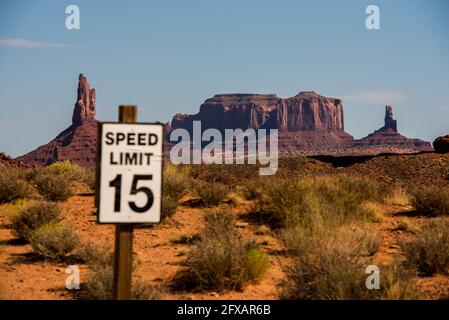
<point>121,289</point>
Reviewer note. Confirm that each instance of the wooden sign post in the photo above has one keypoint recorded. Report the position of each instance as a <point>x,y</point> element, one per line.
<point>123,257</point>
<point>129,185</point>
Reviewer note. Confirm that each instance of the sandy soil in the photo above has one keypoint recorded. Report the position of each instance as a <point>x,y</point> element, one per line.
<point>22,276</point>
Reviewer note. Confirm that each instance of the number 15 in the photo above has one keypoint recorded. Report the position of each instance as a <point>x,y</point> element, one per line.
<point>117,184</point>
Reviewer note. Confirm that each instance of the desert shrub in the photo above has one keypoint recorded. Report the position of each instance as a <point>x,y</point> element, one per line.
<point>13,186</point>
<point>53,187</point>
<point>221,259</point>
<point>398,197</point>
<point>100,259</point>
<point>53,241</point>
<point>99,284</point>
<point>142,291</point>
<point>431,201</point>
<point>176,181</point>
<point>372,211</point>
<point>96,256</point>
<point>263,230</point>
<point>32,216</point>
<point>169,206</point>
<point>70,171</point>
<point>337,273</point>
<point>429,253</point>
<point>89,178</point>
<point>211,193</point>
<point>335,200</point>
<point>407,226</point>
<point>253,189</point>
<point>55,182</point>
<point>257,263</point>
<point>235,199</point>
<point>302,240</point>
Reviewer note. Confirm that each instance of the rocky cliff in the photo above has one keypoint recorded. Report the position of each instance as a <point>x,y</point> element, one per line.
<point>307,120</point>
<point>76,143</point>
<point>305,111</point>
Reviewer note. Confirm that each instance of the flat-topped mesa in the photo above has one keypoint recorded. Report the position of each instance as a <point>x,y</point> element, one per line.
<point>305,111</point>
<point>85,103</point>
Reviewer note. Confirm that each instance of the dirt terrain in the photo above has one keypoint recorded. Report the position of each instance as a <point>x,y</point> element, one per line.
<point>161,252</point>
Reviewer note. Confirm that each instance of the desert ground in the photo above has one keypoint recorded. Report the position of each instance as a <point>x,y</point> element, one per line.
<point>161,251</point>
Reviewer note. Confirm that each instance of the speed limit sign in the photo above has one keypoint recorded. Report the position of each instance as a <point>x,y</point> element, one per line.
<point>130,172</point>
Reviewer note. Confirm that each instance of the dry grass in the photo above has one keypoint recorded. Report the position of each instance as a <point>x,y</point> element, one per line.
<point>176,181</point>
<point>210,193</point>
<point>337,272</point>
<point>337,200</point>
<point>399,197</point>
<point>407,226</point>
<point>429,253</point>
<point>431,201</point>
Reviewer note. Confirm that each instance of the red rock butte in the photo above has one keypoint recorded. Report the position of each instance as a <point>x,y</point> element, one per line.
<point>308,124</point>
<point>76,143</point>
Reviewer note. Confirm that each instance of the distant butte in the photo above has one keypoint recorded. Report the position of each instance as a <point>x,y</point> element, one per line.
<point>308,124</point>
<point>76,143</point>
<point>388,136</point>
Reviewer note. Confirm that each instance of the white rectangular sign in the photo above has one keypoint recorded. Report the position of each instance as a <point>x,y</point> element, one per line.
<point>130,173</point>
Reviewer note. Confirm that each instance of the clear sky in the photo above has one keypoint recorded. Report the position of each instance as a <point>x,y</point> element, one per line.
<point>169,56</point>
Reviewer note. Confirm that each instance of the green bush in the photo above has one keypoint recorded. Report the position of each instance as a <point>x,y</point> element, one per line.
<point>13,186</point>
<point>221,259</point>
<point>53,241</point>
<point>53,187</point>
<point>211,193</point>
<point>55,182</point>
<point>70,171</point>
<point>429,253</point>
<point>431,201</point>
<point>32,216</point>
<point>257,263</point>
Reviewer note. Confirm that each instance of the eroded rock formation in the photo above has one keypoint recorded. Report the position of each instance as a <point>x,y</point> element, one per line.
<point>388,135</point>
<point>305,111</point>
<point>76,143</point>
<point>307,120</point>
<point>84,110</point>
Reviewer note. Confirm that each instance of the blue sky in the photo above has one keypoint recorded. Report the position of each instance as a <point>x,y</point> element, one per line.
<point>169,56</point>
